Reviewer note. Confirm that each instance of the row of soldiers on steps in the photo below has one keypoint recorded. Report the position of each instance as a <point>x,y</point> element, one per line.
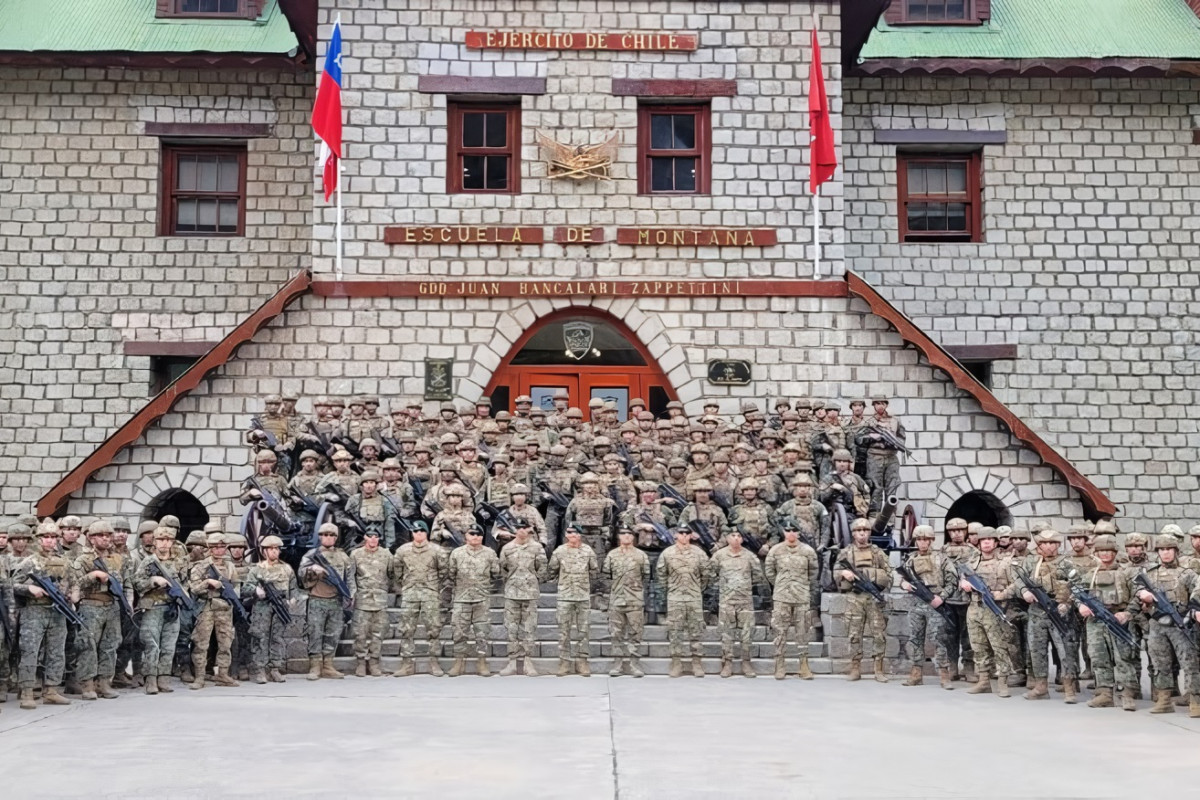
<point>1000,607</point>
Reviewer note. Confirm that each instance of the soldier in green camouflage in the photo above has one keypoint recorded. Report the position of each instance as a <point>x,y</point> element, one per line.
<point>268,656</point>
<point>735,571</point>
<point>472,570</point>
<point>419,573</point>
<point>954,634</point>
<point>101,633</point>
<point>6,594</point>
<point>1168,644</point>
<point>372,569</point>
<point>923,619</point>
<point>239,652</point>
<point>160,618</point>
<point>41,624</point>
<point>682,572</point>
<point>862,610</point>
<point>522,568</point>
<point>325,618</point>
<point>989,634</point>
<point>627,570</point>
<point>1112,661</point>
<point>793,569</point>
<point>573,566</point>
<point>214,614</point>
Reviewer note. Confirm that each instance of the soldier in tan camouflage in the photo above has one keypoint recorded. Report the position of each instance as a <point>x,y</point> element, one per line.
<point>214,614</point>
<point>268,656</point>
<point>594,515</point>
<point>160,619</point>
<point>419,572</point>
<point>682,573</point>
<point>989,634</point>
<point>863,610</point>
<point>472,570</point>
<point>522,568</point>
<point>735,571</point>
<point>325,618</point>
<point>101,633</point>
<point>574,567</point>
<point>627,570</point>
<point>792,567</point>
<point>372,567</point>
<point>452,522</point>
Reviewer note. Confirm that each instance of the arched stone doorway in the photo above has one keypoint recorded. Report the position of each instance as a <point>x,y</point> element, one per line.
<point>192,514</point>
<point>981,506</point>
<point>587,353</point>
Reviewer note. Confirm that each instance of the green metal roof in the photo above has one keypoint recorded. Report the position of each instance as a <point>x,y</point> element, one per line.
<point>1049,29</point>
<point>130,26</point>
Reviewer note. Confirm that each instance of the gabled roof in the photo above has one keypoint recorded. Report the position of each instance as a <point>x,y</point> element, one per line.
<point>1135,34</point>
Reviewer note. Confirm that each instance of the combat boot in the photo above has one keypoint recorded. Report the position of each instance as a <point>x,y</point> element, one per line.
<point>1018,680</point>
<point>457,667</point>
<point>435,668</point>
<point>1070,687</point>
<point>529,670</point>
<point>72,686</point>
<point>1162,702</point>
<point>198,683</point>
<point>186,676</point>
<point>275,676</point>
<point>104,689</point>
<point>27,701</point>
<point>855,670</point>
<point>258,676</point>
<point>564,668</point>
<point>617,668</point>
<point>1002,686</point>
<point>748,668</point>
<point>314,668</point>
<point>122,681</point>
<point>1178,699</point>
<point>53,697</point>
<point>1127,701</point>
<point>164,684</point>
<point>243,674</point>
<point>780,673</point>
<point>676,670</point>
<point>969,672</point>
<point>635,668</point>
<point>697,667</point>
<point>915,677</point>
<point>1103,698</point>
<point>360,668</point>
<point>726,668</point>
<point>1194,706</point>
<point>805,672</point>
<point>89,690</point>
<point>328,670</point>
<point>482,669</point>
<point>223,679</point>
<point>982,686</point>
<point>583,668</point>
<point>510,669</point>
<point>407,668</point>
<point>1038,691</point>
<point>373,668</point>
<point>880,672</point>
<point>944,679</point>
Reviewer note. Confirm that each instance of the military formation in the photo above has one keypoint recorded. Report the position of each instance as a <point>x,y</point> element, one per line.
<point>706,521</point>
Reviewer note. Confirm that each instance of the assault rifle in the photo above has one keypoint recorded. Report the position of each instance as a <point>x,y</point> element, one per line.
<point>256,425</point>
<point>456,534</point>
<point>346,443</point>
<point>178,596</point>
<point>60,603</point>
<point>749,539</point>
<point>1164,606</point>
<point>985,594</point>
<point>622,450</point>
<point>1043,600</point>
<point>417,487</point>
<point>618,501</point>
<point>389,445</point>
<point>863,584</point>
<point>322,439</point>
<point>332,576</point>
<point>1085,598</point>
<point>556,498</point>
<point>921,590</point>
<point>702,531</point>
<point>228,594</point>
<point>115,588</point>
<point>660,530</point>
<point>279,606</point>
<point>298,498</point>
<point>670,494</point>
<point>886,437</point>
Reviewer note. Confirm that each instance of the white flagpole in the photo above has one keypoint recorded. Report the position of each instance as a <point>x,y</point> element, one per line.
<point>817,234</point>
<point>338,189</point>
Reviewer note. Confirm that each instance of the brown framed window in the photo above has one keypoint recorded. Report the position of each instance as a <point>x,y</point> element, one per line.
<point>484,148</point>
<point>674,149</point>
<point>939,11</point>
<point>203,190</point>
<point>940,197</point>
<point>237,9</point>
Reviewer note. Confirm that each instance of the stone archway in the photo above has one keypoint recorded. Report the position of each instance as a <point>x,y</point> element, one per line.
<point>172,487</point>
<point>182,504</point>
<point>982,507</point>
<point>991,492</point>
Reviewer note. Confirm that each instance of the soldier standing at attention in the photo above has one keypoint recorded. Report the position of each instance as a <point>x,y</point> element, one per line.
<point>214,614</point>
<point>954,634</point>
<point>682,569</point>
<point>1112,661</point>
<point>735,571</point>
<point>793,568</point>
<point>325,619</point>
<point>1043,570</point>
<point>240,650</point>
<point>923,619</point>
<point>989,636</point>
<point>862,609</point>
<point>267,654</point>
<point>628,571</point>
<point>419,572</point>
<point>574,567</point>
<point>372,569</point>
<point>883,464</point>
<point>522,567</point>
<point>160,618</point>
<point>472,570</point>
<point>41,624</point>
<point>101,613</point>
<point>593,514</point>
<point>1168,644</point>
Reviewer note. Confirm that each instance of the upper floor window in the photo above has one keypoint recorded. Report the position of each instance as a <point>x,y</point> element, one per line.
<point>940,197</point>
<point>242,9</point>
<point>674,149</point>
<point>938,10</point>
<point>484,148</point>
<point>203,190</point>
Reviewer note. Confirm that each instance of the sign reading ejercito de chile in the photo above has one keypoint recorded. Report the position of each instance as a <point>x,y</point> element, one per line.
<point>579,40</point>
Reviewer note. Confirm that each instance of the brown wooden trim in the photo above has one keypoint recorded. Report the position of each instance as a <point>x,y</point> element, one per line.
<point>928,136</point>
<point>212,130</point>
<point>598,287</point>
<point>229,61</point>
<point>468,84</point>
<point>455,151</point>
<point>697,237</point>
<point>1034,67</point>
<point>462,234</point>
<point>148,348</point>
<point>702,151</point>
<point>167,187</point>
<point>973,197</point>
<point>982,352</point>
<point>637,87</point>
<point>1095,504</point>
<point>55,499</point>
<point>581,235</point>
<point>1196,131</point>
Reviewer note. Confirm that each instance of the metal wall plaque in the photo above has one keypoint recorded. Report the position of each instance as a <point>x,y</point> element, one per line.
<point>728,372</point>
<point>439,379</point>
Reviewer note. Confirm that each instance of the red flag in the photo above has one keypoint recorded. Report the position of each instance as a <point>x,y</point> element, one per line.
<point>327,111</point>
<point>822,160</point>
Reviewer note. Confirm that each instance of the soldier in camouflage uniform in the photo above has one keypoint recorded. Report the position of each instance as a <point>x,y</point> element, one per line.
<point>923,619</point>
<point>594,515</point>
<point>828,438</point>
<point>1168,643</point>
<point>275,424</point>
<point>266,477</point>
<point>522,567</point>
<point>627,570</point>
<point>325,618</point>
<point>1044,569</point>
<point>419,572</point>
<point>239,651</point>
<point>755,517</point>
<point>702,509</point>
<point>561,478</point>
<point>1079,557</point>
<point>862,610</point>
<point>214,614</point>
<point>268,657</point>
<point>372,569</point>
<point>160,617</point>
<point>1111,659</point>
<point>793,568</point>
<point>574,567</point>
<point>41,624</point>
<point>521,510</point>
<point>957,642</point>
<point>989,635</point>
<point>735,571</point>
<point>309,477</point>
<point>399,492</point>
<point>374,509</point>
<point>454,520</point>
<point>883,464</point>
<point>101,633</point>
<point>843,486</point>
<point>6,594</point>
<point>682,571</point>
<point>197,551</point>
<point>472,570</point>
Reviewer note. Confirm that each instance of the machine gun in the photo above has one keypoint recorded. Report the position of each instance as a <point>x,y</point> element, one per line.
<point>179,597</point>
<point>885,437</point>
<point>1164,606</point>
<point>1043,600</point>
<point>865,585</point>
<point>671,495</point>
<point>660,530</point>
<point>702,531</point>
<point>60,603</point>
<point>921,590</point>
<point>115,588</point>
<point>1085,598</point>
<point>228,594</point>
<point>556,498</point>
<point>279,606</point>
<point>985,594</point>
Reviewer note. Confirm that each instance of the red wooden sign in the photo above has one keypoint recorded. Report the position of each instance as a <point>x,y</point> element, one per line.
<point>577,235</point>
<point>576,40</point>
<point>463,234</point>
<point>697,237</point>
<point>580,288</point>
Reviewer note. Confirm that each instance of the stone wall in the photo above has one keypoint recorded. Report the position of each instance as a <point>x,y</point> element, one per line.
<point>1090,263</point>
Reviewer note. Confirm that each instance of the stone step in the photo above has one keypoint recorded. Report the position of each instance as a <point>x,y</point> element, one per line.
<point>547,666</point>
<point>548,616</point>
<point>599,648</point>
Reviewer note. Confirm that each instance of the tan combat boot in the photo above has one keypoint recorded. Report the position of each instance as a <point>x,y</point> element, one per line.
<point>617,668</point>
<point>164,684</point>
<point>805,673</point>
<point>258,676</point>
<point>915,677</point>
<point>748,668</point>
<point>726,668</point>
<point>583,668</point>
<point>457,667</point>
<point>880,671</point>
<point>982,686</point>
<point>481,668</point>
<point>360,668</point>
<point>1070,687</point>
<point>53,697</point>
<point>1194,706</point>
<point>635,668</point>
<point>529,670</point>
<point>198,683</point>
<point>1178,699</point>
<point>407,668</point>
<point>564,668</point>
<point>1103,698</point>
<point>328,670</point>
<point>373,668</point>
<point>105,690</point>
<point>1162,702</point>
<point>1038,691</point>
<point>855,673</point>
<point>676,670</point>
<point>780,671</point>
<point>435,668</point>
<point>944,679</point>
<point>1002,686</point>
<point>1127,701</point>
<point>274,675</point>
<point>223,678</point>
<point>27,701</point>
<point>314,668</point>
<point>89,690</point>
<point>510,669</point>
<point>697,667</point>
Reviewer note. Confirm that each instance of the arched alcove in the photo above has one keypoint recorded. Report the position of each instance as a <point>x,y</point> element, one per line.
<point>983,507</point>
<point>192,514</point>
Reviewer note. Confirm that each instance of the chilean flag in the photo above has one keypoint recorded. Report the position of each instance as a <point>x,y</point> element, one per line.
<point>822,160</point>
<point>327,112</point>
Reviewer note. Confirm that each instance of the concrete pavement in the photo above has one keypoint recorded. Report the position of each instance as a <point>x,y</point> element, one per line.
<point>583,738</point>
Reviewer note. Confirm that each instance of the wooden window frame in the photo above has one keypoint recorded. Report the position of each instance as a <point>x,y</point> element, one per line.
<point>973,196</point>
<point>173,9</point>
<point>167,215</point>
<point>976,13</point>
<point>455,151</point>
<point>702,151</point>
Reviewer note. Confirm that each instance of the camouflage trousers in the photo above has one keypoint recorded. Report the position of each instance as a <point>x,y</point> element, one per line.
<point>955,639</point>
<point>790,615</point>
<point>98,640</point>
<point>1169,644</point>
<point>5,666</point>
<point>656,599</point>
<point>1019,638</point>
<point>598,540</point>
<point>323,625</point>
<point>183,642</point>
<point>924,621</point>
<point>71,649</point>
<point>128,647</point>
<point>1112,661</point>
<point>626,625</point>
<point>369,627</point>
<point>469,624</point>
<point>883,473</point>
<point>990,641</point>
<point>266,639</point>
<point>685,627</point>
<point>862,610</point>
<point>209,621</point>
<point>520,622</point>
<point>239,652</point>
<point>736,624</point>
<point>1041,634</point>
<point>574,630</point>
<point>417,610</point>
<point>42,625</point>
<point>160,629</point>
